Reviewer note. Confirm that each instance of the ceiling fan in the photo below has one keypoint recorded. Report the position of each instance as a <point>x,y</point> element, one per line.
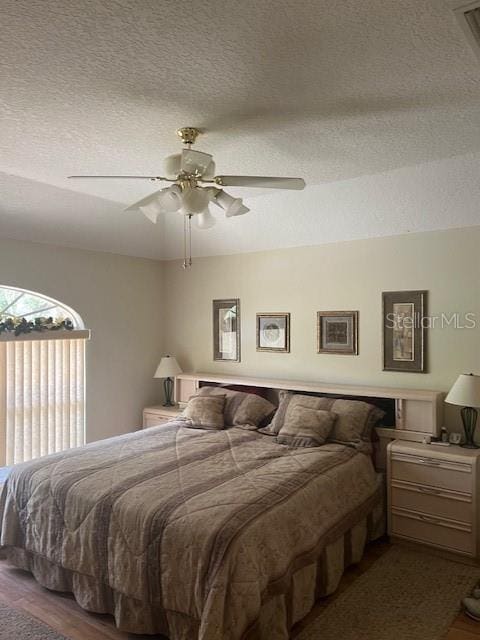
<point>194,187</point>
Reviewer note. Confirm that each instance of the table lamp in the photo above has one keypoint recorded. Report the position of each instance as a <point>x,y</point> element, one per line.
<point>167,369</point>
<point>466,393</point>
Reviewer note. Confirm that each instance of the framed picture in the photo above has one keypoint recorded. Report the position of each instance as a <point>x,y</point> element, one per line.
<point>337,332</point>
<point>404,331</point>
<point>273,332</point>
<point>226,330</point>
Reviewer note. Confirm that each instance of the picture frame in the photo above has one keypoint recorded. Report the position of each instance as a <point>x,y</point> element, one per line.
<point>273,332</point>
<point>337,332</point>
<point>226,329</point>
<point>404,331</point>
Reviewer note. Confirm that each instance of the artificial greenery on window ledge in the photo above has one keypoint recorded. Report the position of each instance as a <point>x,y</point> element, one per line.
<point>18,326</point>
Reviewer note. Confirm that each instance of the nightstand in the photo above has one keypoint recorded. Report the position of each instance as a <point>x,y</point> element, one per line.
<point>433,495</point>
<point>153,416</point>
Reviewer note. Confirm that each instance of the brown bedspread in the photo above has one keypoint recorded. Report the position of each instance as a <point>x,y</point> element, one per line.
<point>179,530</point>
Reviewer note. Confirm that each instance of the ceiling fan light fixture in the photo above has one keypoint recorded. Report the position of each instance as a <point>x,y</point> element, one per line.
<point>195,199</point>
<point>205,220</point>
<point>195,162</point>
<point>163,201</point>
<point>172,165</point>
<point>238,209</point>
<point>193,174</point>
<point>232,206</point>
<point>151,211</point>
<point>170,198</point>
<point>149,206</point>
<point>209,171</point>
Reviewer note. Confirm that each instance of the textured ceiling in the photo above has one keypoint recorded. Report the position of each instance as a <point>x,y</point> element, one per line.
<point>323,89</point>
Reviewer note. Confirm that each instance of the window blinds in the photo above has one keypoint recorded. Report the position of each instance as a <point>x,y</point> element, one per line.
<point>43,384</point>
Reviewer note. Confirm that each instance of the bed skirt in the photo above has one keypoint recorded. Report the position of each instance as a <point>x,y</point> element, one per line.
<point>285,603</point>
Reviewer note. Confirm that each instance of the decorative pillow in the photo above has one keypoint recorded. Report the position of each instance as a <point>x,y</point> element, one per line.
<point>288,402</point>
<point>355,421</point>
<point>205,413</point>
<point>355,418</point>
<point>306,427</point>
<point>241,408</point>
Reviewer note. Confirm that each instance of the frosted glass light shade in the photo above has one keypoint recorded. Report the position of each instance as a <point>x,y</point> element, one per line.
<point>169,198</point>
<point>171,165</point>
<point>195,161</point>
<point>232,206</point>
<point>238,209</point>
<point>151,210</point>
<point>162,201</point>
<point>167,368</point>
<point>209,172</point>
<point>195,200</point>
<point>465,392</point>
<point>205,220</point>
<point>149,206</point>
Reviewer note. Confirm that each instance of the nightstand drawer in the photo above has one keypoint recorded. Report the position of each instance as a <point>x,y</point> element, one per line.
<point>434,472</point>
<point>432,500</point>
<point>156,415</point>
<point>435,531</point>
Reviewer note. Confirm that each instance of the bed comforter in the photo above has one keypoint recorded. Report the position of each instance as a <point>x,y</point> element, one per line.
<point>182,531</point>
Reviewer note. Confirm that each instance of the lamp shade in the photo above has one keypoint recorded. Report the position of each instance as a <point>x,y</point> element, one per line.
<point>168,368</point>
<point>465,392</point>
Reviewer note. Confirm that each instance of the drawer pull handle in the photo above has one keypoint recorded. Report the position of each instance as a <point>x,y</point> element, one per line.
<point>432,462</point>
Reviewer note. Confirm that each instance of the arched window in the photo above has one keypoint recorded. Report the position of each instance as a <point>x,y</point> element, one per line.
<point>42,376</point>
<point>19,303</point>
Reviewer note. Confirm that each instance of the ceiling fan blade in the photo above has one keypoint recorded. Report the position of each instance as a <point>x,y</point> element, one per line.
<point>120,177</point>
<point>260,181</point>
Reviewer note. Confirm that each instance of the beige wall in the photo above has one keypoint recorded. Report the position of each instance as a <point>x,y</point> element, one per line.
<point>134,307</point>
<point>120,300</point>
<point>349,275</point>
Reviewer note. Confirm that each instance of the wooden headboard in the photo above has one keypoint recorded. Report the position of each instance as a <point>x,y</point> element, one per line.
<point>411,414</point>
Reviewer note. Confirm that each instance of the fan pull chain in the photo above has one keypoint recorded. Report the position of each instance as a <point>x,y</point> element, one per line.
<point>187,241</point>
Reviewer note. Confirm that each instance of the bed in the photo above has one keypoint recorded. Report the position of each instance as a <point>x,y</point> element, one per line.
<point>215,535</point>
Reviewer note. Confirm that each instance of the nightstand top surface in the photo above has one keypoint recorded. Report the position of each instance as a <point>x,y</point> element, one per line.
<point>159,408</point>
<point>432,451</point>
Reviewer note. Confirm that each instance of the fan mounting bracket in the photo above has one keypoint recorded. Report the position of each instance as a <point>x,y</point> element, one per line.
<point>188,135</point>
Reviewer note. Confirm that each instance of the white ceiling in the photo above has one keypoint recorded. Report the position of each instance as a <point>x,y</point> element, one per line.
<point>331,91</point>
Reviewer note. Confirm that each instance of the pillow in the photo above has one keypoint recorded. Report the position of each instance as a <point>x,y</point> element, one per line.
<point>205,413</point>
<point>288,402</point>
<point>241,408</point>
<point>355,418</point>
<point>306,427</point>
<point>355,421</point>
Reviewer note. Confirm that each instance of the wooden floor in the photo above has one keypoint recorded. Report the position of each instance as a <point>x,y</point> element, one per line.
<point>59,611</point>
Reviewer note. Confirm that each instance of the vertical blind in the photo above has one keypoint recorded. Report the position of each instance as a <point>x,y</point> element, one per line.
<point>43,384</point>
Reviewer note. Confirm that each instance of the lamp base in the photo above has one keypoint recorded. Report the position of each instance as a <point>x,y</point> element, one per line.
<point>168,388</point>
<point>469,419</point>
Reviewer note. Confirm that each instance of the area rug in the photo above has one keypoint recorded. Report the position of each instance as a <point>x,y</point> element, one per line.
<point>405,595</point>
<point>16,625</point>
